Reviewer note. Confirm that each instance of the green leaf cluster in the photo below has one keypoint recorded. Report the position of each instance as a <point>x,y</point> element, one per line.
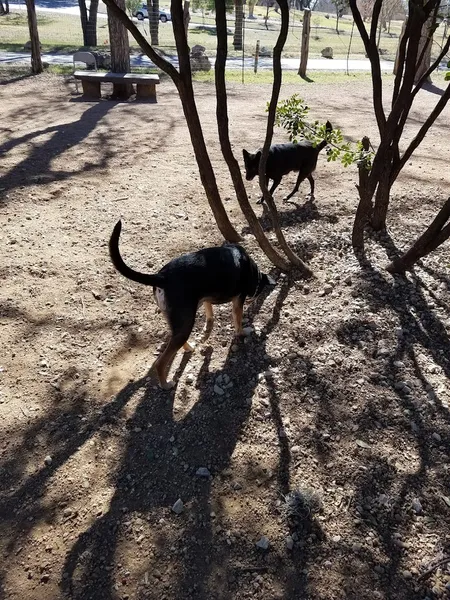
<point>291,114</point>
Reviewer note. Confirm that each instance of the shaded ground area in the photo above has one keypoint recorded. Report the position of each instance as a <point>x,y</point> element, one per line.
<point>341,391</point>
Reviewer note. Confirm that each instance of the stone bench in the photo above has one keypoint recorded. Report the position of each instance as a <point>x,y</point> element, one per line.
<point>92,80</point>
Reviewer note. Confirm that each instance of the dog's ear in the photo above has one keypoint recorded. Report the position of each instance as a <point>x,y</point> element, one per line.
<point>245,154</point>
<point>329,126</point>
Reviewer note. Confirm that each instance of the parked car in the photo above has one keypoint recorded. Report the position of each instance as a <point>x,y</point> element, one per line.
<point>142,13</point>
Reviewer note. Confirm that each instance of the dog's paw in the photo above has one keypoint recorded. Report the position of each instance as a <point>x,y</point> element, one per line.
<point>168,385</point>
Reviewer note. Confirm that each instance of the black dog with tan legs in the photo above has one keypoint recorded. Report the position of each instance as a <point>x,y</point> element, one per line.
<point>211,276</point>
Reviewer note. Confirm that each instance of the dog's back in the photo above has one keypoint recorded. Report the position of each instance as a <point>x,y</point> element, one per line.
<point>284,158</point>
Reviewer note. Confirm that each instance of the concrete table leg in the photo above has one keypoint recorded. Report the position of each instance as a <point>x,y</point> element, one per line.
<point>146,91</point>
<point>91,89</point>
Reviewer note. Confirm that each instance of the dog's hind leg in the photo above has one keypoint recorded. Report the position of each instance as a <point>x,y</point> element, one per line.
<point>311,183</point>
<point>238,307</point>
<point>209,320</point>
<point>301,177</point>
<point>181,326</point>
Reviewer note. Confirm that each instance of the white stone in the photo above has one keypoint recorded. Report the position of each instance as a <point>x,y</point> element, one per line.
<point>263,543</point>
<point>178,507</point>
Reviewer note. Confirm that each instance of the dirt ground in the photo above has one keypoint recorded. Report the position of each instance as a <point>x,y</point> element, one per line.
<point>339,397</point>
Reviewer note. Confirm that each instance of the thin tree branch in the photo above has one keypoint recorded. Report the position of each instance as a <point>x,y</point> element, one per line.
<point>277,77</point>
<point>224,137</point>
<point>401,61</point>
<point>422,132</point>
<point>418,17</point>
<point>404,117</point>
<point>429,37</point>
<point>374,57</point>
<point>179,33</point>
<point>436,233</point>
<point>432,68</point>
<point>374,21</point>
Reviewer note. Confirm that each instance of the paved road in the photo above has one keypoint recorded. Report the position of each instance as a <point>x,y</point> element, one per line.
<point>288,64</point>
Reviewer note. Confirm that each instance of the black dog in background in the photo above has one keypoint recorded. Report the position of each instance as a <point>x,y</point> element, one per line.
<point>284,158</point>
<point>211,276</point>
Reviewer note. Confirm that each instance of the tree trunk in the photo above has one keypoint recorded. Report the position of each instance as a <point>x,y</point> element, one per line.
<point>238,24</point>
<point>387,162</point>
<point>382,198</point>
<point>433,237</point>
<point>277,78</point>
<point>337,22</point>
<point>91,33</point>
<point>89,23</point>
<point>204,163</point>
<point>153,16</point>
<point>225,145</point>
<point>186,92</point>
<point>186,16</point>
<point>364,210</point>
<point>2,8</point>
<point>397,55</point>
<point>36,60</point>
<point>306,29</point>
<point>424,55</point>
<point>120,52</point>
<point>84,19</point>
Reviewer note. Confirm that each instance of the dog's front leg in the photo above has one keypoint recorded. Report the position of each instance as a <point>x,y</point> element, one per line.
<point>238,307</point>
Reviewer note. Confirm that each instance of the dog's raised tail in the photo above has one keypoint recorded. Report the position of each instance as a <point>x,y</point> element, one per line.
<point>125,270</point>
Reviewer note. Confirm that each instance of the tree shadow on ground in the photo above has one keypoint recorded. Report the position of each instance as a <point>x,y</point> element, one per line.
<point>301,213</point>
<point>14,77</point>
<point>151,478</point>
<point>161,455</point>
<point>37,166</point>
<point>428,86</point>
<point>406,411</point>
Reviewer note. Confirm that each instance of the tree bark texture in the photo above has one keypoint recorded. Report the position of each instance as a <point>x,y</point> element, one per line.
<point>186,16</point>
<point>306,30</point>
<point>424,54</point>
<point>120,52</point>
<point>89,22</point>
<point>153,17</point>
<point>364,210</point>
<point>238,24</point>
<point>36,60</point>
<point>397,54</point>
<point>434,236</point>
